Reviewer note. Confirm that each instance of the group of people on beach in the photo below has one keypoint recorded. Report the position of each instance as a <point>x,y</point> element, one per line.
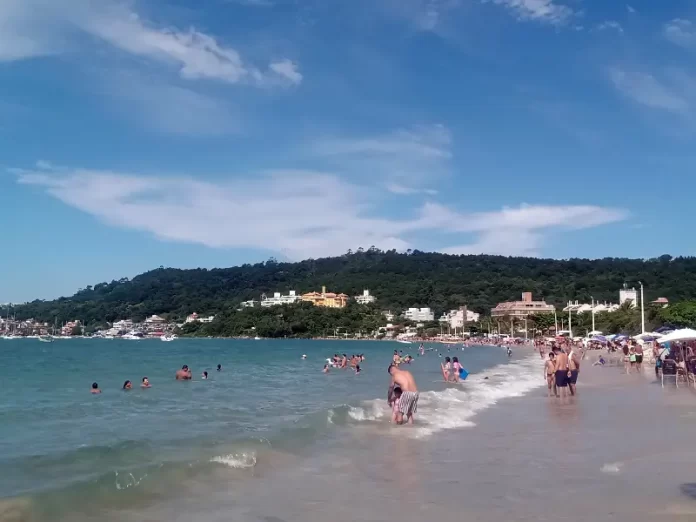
<point>451,369</point>
<point>561,369</point>
<point>184,374</point>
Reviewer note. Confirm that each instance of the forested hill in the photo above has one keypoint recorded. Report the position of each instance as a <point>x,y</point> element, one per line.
<point>397,280</point>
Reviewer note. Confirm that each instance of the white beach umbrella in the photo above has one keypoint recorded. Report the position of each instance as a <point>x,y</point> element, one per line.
<point>648,336</point>
<point>685,334</point>
<point>594,332</point>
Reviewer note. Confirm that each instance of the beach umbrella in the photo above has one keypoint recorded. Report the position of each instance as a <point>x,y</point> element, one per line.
<point>685,334</point>
<point>598,338</point>
<point>611,337</point>
<point>648,337</point>
<point>620,337</point>
<point>664,329</point>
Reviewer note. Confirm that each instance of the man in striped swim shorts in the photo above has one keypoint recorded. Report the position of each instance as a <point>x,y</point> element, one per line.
<point>408,402</point>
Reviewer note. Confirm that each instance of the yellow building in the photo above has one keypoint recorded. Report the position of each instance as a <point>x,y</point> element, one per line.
<point>327,299</point>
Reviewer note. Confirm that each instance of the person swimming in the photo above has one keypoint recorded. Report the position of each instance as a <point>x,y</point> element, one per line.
<point>127,385</point>
<point>357,369</point>
<point>219,367</point>
<point>326,368</point>
<point>146,383</point>
<point>205,375</point>
<point>95,388</point>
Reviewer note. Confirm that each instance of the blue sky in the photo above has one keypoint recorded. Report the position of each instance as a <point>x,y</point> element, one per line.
<point>140,133</point>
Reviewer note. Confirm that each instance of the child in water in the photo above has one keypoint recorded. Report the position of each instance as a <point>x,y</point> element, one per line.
<point>395,398</point>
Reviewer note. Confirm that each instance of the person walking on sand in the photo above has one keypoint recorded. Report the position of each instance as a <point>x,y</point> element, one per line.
<point>639,357</point>
<point>408,402</point>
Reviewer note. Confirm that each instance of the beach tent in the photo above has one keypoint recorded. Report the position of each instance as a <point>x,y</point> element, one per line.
<point>685,334</point>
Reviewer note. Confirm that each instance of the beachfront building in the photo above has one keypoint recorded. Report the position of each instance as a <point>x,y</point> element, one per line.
<point>326,299</point>
<point>521,309</point>
<point>155,320</point>
<point>388,315</point>
<point>365,298</point>
<point>68,327</point>
<point>419,315</point>
<point>459,318</point>
<point>662,302</point>
<point>125,324</point>
<point>628,295</point>
<point>279,299</point>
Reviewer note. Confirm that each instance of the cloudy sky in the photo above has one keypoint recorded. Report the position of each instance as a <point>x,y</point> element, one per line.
<point>139,133</point>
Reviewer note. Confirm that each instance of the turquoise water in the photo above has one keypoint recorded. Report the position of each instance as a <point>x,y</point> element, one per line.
<point>61,446</point>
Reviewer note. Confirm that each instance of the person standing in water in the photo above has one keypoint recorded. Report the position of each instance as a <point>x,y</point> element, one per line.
<point>408,402</point>
<point>146,383</point>
<point>95,388</point>
<point>127,385</point>
<point>219,367</point>
<point>550,373</point>
<point>184,374</point>
<point>561,373</point>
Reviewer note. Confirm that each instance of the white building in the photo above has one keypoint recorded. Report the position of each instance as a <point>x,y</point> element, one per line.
<point>419,314</point>
<point>155,319</point>
<point>628,295</point>
<point>365,298</point>
<point>125,324</point>
<point>249,304</point>
<point>459,317</point>
<point>279,299</point>
<point>195,317</point>
<point>388,315</point>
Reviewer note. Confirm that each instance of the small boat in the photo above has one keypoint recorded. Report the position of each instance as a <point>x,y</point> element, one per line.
<point>168,337</point>
<point>402,341</point>
<point>257,338</point>
<point>132,336</point>
<point>46,338</point>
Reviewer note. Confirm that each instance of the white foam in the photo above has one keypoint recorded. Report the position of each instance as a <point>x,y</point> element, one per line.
<point>455,407</point>
<point>236,460</point>
<point>371,411</point>
<point>613,468</point>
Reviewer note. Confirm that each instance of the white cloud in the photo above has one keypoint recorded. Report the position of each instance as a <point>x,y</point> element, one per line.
<point>403,190</point>
<point>407,160</point>
<point>646,89</point>
<point>610,25</point>
<point>546,11</point>
<point>287,69</point>
<point>195,54</point>
<point>631,9</point>
<point>322,214</point>
<point>422,15</point>
<point>681,32</point>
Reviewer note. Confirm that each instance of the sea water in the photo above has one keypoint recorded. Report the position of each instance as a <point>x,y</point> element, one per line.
<point>68,454</point>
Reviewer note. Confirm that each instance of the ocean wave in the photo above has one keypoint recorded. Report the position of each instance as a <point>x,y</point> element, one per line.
<point>455,407</point>
<point>236,460</point>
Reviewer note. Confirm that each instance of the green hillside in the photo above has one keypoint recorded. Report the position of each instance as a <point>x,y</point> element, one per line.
<point>397,280</point>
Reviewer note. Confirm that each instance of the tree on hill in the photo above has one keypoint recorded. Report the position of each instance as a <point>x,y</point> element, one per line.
<point>399,281</point>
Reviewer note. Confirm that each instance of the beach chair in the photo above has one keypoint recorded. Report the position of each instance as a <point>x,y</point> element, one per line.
<point>669,369</point>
